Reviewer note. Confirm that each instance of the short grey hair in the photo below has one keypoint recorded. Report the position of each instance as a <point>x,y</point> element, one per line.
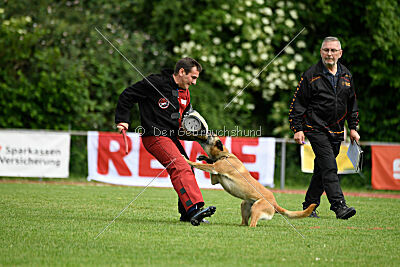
<point>331,39</point>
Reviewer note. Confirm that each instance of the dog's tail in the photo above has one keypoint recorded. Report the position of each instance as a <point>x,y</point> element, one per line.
<point>296,214</point>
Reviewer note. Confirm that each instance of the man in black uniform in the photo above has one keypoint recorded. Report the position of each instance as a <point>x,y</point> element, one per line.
<point>324,99</point>
<point>163,100</point>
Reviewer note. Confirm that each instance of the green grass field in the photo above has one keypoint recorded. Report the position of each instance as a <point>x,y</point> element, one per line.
<point>47,224</point>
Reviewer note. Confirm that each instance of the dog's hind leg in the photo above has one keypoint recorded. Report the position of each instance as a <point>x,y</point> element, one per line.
<point>261,210</point>
<point>246,211</point>
<point>215,179</point>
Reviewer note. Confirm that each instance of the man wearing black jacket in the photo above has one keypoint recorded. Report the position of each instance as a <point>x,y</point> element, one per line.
<point>163,100</point>
<point>324,99</point>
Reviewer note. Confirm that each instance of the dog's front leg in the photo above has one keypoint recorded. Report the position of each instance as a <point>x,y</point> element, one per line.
<point>204,167</point>
<point>206,159</point>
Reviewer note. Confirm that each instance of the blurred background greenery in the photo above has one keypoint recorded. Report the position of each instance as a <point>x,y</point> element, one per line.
<point>58,73</point>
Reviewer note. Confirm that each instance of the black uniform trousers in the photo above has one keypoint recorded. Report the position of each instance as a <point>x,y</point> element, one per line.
<point>325,177</point>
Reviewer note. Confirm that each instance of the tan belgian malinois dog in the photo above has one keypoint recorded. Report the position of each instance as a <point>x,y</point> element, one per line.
<point>226,169</point>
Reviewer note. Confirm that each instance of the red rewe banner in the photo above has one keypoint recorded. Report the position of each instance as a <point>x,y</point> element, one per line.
<point>237,148</point>
<point>108,162</point>
<point>385,167</point>
<point>117,157</point>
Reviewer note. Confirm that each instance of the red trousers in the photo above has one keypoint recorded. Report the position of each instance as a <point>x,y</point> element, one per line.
<point>165,150</point>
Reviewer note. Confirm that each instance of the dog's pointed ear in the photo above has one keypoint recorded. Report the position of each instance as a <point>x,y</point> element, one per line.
<point>219,145</point>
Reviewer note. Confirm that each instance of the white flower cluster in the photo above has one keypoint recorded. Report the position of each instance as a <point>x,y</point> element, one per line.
<point>260,29</point>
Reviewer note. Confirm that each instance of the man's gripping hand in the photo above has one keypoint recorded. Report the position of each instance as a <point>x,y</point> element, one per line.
<point>122,126</point>
<point>354,135</point>
<point>299,137</point>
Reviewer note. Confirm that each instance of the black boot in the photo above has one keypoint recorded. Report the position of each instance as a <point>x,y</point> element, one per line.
<point>197,216</point>
<point>342,211</point>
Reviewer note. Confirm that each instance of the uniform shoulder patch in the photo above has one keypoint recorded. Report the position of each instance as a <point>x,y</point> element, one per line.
<point>163,103</point>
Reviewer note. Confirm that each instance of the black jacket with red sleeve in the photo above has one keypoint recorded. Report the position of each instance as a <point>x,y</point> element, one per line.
<point>316,106</point>
<point>161,108</point>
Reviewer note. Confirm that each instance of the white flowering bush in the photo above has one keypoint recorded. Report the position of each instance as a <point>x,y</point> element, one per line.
<point>236,40</point>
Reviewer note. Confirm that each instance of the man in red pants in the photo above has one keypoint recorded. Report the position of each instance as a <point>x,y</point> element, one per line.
<point>163,100</point>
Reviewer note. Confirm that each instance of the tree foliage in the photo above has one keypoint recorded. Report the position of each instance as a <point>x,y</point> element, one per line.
<point>57,72</point>
<point>370,34</point>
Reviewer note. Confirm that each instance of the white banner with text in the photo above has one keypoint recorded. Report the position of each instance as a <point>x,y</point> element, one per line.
<point>107,161</point>
<point>34,154</point>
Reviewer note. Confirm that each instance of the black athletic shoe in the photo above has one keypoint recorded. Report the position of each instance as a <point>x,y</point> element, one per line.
<point>314,214</point>
<point>198,217</point>
<point>343,212</point>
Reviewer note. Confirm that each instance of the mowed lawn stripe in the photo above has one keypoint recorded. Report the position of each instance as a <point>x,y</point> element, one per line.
<point>50,224</point>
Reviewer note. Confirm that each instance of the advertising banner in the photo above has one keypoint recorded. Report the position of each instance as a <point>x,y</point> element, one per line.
<point>34,154</point>
<point>385,167</point>
<point>343,162</point>
<point>107,161</point>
